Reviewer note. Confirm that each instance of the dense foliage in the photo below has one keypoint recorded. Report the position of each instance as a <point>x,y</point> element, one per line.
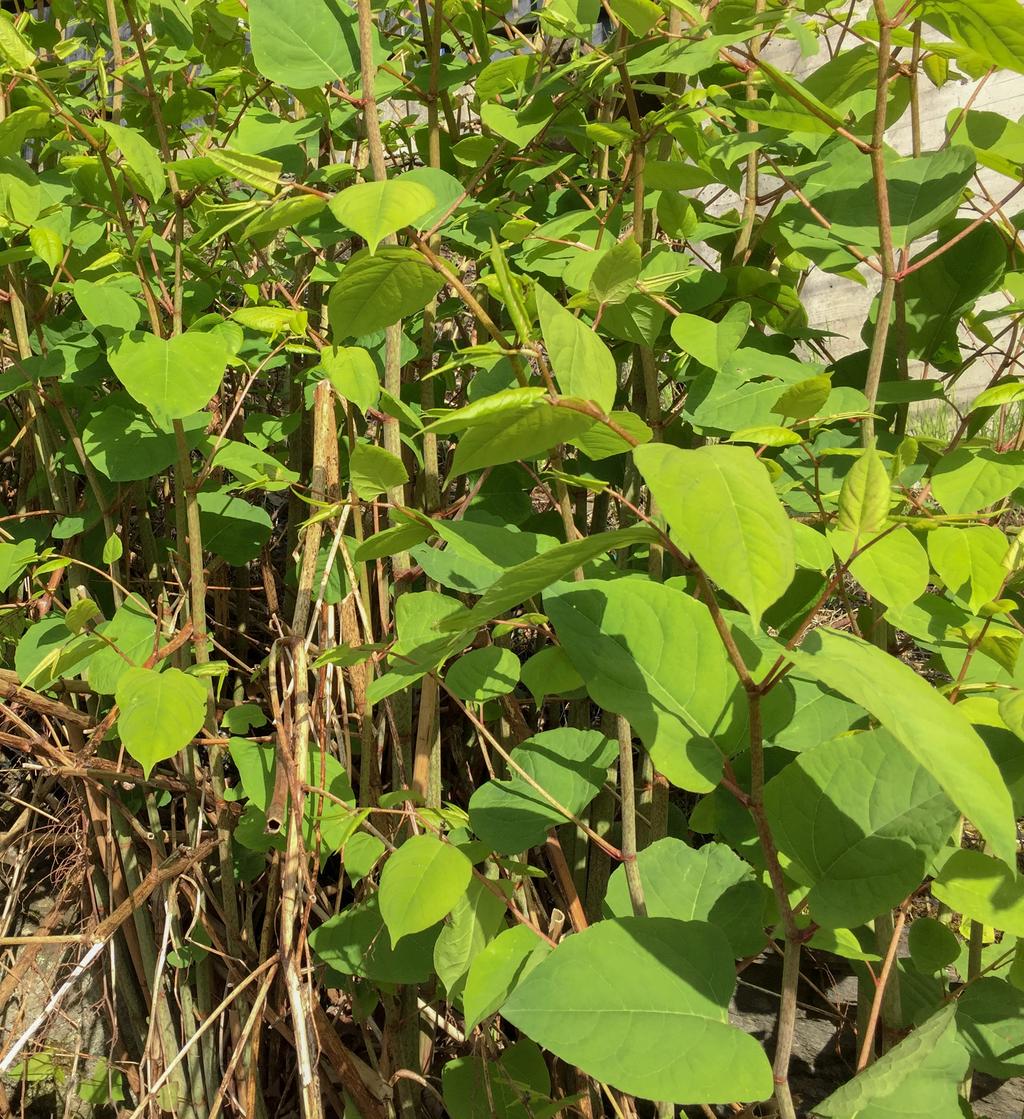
<point>462,608</point>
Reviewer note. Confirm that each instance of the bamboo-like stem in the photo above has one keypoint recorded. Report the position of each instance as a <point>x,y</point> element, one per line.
<point>785,1030</point>
<point>741,250</point>
<point>886,296</point>
<point>628,795</point>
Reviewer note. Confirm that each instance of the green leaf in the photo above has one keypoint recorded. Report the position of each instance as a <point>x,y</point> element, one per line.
<point>351,371</point>
<point>483,674</point>
<point>919,1077</point>
<point>272,320</point>
<point>892,567</point>
<point>926,724</point>
<point>982,888</point>
<point>132,630</point>
<point>376,210</point>
<point>860,820</point>
<point>126,446</point>
<point>651,653</point>
<point>969,479</point>
<point>990,1020</point>
<point>992,29</point>
<point>232,528</point>
<point>933,945</point>
<point>571,765</point>
<point>501,405</point>
<point>722,510</point>
<point>534,575</point>
<point>376,291</point>
<point>285,214</point>
<point>355,942</point>
<point>13,46</point>
<point>664,988</point>
<point>107,307</point>
<point>172,377</point>
<point>712,343</point>
<point>1005,393</point>
<point>475,920</point>
<point>80,614</point>
<point>804,399</point>
<point>638,15</point>
<point>374,471</point>
<point>923,192</point>
<point>159,713</point>
<point>305,43</point>
<point>582,364</point>
<point>14,558</point>
<point>141,157</point>
<point>969,561</point>
<point>615,276</point>
<point>47,245</point>
<point>514,1086</point>
<point>498,969</point>
<point>18,125</point>
<point>864,496</point>
<point>420,884</point>
<point>254,170</point>
<point>766,435</point>
<point>549,672</point>
<point>525,434</point>
<point>711,884</point>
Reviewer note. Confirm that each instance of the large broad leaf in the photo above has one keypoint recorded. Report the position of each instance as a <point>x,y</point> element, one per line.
<point>133,633</point>
<point>376,291</point>
<point>864,496</point>
<point>356,942</point>
<point>483,674</point>
<point>861,820</point>
<point>571,765</point>
<point>373,470</point>
<point>172,377</point>
<point>498,969</point>
<point>712,343</point>
<point>938,294</point>
<point>969,479</point>
<point>534,575</point>
<point>324,820</point>
<point>159,713</point>
<point>927,725</point>
<point>474,922</point>
<point>525,433</point>
<point>722,509</point>
<point>107,307</point>
<point>969,560</point>
<point>651,653</point>
<point>515,1086</point>
<point>923,192</point>
<point>711,884</point>
<point>14,558</point>
<point>990,1017</point>
<point>351,371</point>
<point>305,43</point>
<point>123,443</point>
<point>141,157</point>
<point>376,210</point>
<point>582,364</point>
<point>892,568</point>
<point>232,528</point>
<point>919,1077</point>
<point>991,29</point>
<point>610,997</point>
<point>420,884</point>
<point>984,889</point>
